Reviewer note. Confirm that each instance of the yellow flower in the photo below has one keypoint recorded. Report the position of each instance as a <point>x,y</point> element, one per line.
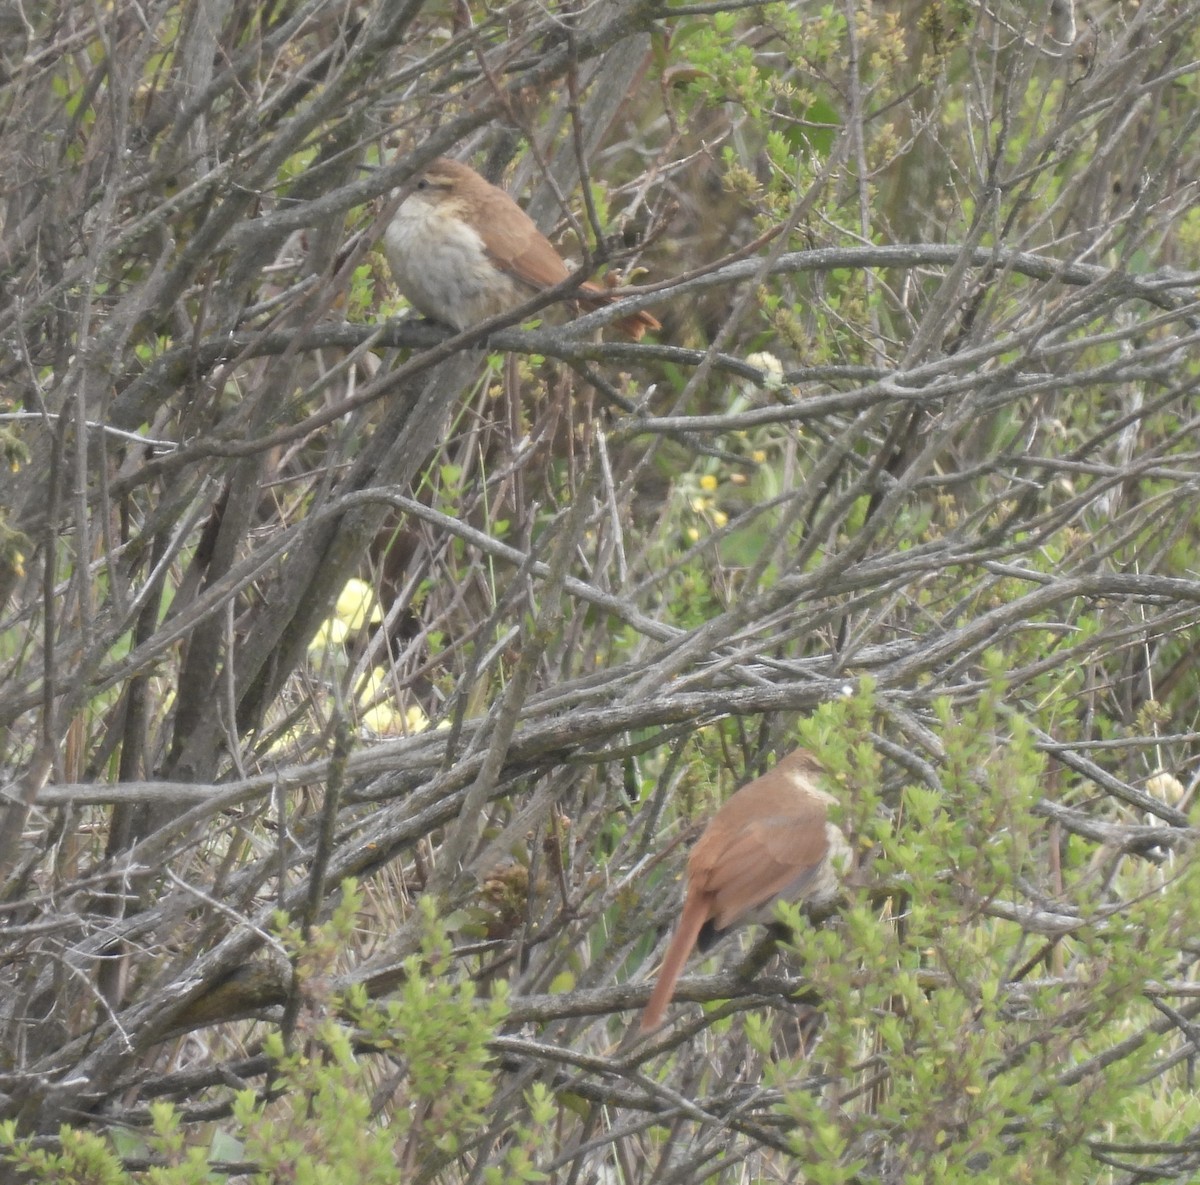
<point>766,362</point>
<point>373,686</point>
<point>708,482</point>
<point>356,605</point>
<point>771,367</point>
<point>381,719</point>
<point>332,632</point>
<point>1165,786</point>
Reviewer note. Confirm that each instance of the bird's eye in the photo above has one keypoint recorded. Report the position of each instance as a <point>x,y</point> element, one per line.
<point>423,183</point>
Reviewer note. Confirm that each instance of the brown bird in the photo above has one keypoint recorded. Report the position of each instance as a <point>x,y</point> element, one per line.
<point>771,839</point>
<point>462,250</point>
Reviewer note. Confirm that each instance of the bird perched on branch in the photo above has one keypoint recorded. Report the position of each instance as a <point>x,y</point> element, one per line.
<point>462,250</point>
<point>771,840</point>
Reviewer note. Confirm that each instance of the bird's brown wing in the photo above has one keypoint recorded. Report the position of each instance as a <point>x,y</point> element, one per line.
<point>769,857</point>
<point>516,245</point>
<point>520,250</point>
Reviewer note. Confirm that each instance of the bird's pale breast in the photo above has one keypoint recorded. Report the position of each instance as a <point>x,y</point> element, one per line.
<point>440,265</point>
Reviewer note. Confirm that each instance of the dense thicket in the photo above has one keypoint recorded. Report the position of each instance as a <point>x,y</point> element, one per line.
<point>294,589</point>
